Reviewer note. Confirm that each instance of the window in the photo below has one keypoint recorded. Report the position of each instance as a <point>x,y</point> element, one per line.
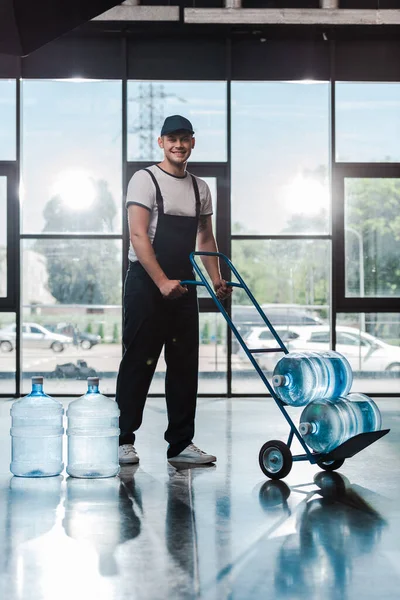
<point>280,157</point>
<point>36,330</point>
<point>3,237</point>
<point>8,107</point>
<point>290,281</point>
<point>372,242</point>
<point>72,293</point>
<point>371,343</point>
<point>367,122</point>
<point>266,335</point>
<point>72,156</point>
<point>321,337</point>
<point>7,353</point>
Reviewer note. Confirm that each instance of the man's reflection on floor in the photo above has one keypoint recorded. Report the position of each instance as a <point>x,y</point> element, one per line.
<point>180,526</point>
<point>334,525</point>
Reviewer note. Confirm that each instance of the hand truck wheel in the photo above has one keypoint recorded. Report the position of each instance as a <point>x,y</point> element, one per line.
<point>330,465</point>
<point>275,459</point>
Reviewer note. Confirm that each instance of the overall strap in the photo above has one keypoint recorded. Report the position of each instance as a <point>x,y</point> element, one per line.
<point>197,195</point>
<point>159,198</point>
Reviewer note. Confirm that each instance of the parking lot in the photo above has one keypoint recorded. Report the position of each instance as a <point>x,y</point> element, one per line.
<point>104,359</point>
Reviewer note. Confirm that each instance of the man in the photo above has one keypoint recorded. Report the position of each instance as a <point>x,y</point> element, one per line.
<point>168,211</point>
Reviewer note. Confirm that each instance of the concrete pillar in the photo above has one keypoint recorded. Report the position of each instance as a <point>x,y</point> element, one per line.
<point>330,4</point>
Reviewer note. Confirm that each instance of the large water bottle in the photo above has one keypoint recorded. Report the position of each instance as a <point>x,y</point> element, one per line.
<point>36,434</point>
<point>93,434</point>
<point>301,377</point>
<point>327,423</point>
<point>368,414</point>
<point>340,374</point>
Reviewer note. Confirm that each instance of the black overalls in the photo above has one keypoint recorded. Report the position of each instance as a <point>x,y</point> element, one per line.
<point>151,321</point>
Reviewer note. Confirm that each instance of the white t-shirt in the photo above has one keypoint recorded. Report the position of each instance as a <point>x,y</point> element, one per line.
<point>177,193</point>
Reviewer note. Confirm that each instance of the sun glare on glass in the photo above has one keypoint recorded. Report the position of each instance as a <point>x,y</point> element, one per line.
<point>76,189</point>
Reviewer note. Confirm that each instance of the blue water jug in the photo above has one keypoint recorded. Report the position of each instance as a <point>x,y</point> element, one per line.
<point>93,434</point>
<point>327,423</point>
<point>340,373</point>
<point>36,434</point>
<point>301,377</point>
<point>368,414</point>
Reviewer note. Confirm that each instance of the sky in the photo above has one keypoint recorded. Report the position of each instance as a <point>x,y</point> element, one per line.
<point>280,132</point>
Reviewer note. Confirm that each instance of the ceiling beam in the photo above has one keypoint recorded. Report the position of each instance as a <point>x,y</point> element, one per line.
<point>296,16</point>
<point>131,11</point>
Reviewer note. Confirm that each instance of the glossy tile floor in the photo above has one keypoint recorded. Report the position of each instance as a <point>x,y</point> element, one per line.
<point>219,532</point>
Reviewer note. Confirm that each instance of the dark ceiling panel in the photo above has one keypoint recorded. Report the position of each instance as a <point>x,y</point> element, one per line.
<point>166,58</point>
<point>26,25</point>
<point>372,60</point>
<point>95,58</point>
<point>280,59</point>
<point>9,66</point>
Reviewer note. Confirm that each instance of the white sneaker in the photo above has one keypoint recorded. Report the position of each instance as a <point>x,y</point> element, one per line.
<point>192,454</point>
<point>127,455</point>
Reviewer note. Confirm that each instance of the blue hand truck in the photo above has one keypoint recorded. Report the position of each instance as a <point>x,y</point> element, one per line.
<point>275,457</point>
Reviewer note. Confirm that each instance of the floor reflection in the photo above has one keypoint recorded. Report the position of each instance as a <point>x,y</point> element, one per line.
<point>334,526</point>
<point>31,513</point>
<point>104,514</point>
<point>220,532</point>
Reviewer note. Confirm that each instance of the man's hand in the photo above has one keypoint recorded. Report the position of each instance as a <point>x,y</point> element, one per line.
<point>172,289</point>
<point>222,290</point>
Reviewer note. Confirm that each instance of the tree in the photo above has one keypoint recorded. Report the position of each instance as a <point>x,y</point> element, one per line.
<point>116,337</point>
<point>205,335</point>
<point>82,271</point>
<point>283,271</point>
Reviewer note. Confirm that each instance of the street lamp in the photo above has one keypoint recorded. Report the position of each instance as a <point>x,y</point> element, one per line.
<point>361,262</point>
<point>360,258</point>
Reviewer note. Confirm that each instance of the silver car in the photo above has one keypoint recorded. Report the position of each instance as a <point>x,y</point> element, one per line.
<point>365,352</point>
<point>33,336</point>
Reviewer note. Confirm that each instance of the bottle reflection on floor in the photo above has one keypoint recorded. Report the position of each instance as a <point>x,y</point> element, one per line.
<point>32,507</point>
<point>334,526</point>
<point>101,512</point>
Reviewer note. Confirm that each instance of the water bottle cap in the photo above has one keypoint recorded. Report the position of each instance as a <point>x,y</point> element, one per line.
<point>37,380</point>
<point>305,428</point>
<point>93,380</point>
<point>278,380</point>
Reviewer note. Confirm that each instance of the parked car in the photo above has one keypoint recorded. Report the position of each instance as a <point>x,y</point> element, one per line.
<point>33,336</point>
<point>364,351</point>
<point>245,318</point>
<point>84,339</point>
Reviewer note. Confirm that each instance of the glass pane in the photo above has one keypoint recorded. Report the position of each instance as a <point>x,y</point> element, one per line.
<point>8,125</point>
<point>72,312</point>
<point>3,237</point>
<point>280,157</point>
<point>371,343</point>
<point>202,102</point>
<point>372,237</point>
<point>212,357</point>
<point>290,281</point>
<point>7,353</point>
<point>367,122</point>
<point>72,156</point>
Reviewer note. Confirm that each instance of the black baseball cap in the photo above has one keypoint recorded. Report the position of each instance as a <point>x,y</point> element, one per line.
<point>176,123</point>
